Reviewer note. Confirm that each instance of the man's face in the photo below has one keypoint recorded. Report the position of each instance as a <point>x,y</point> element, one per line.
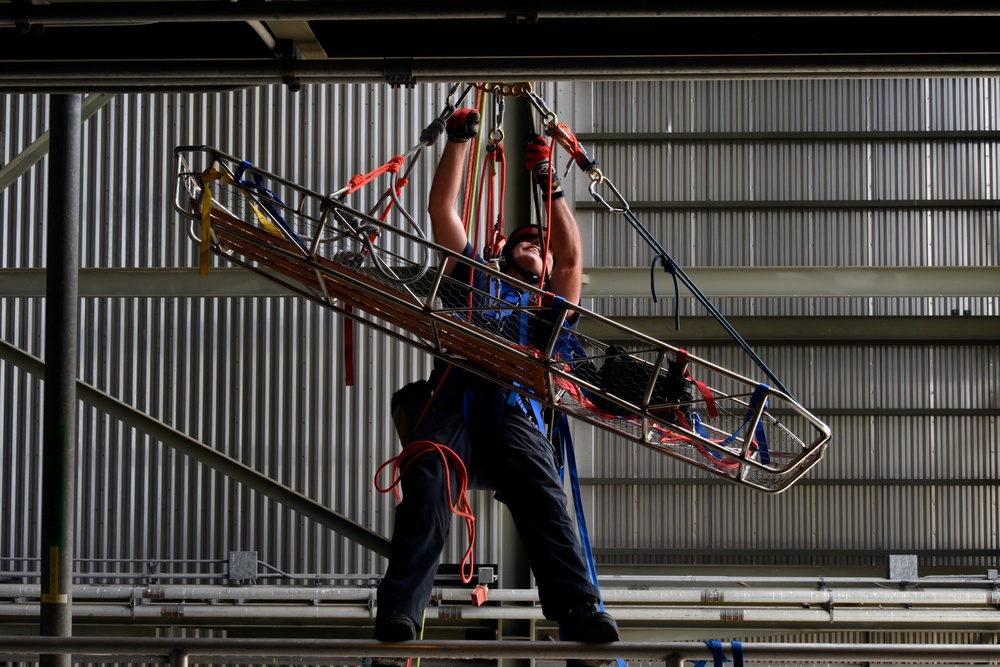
<point>527,253</point>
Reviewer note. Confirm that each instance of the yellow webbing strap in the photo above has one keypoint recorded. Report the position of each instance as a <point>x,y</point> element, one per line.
<point>207,178</point>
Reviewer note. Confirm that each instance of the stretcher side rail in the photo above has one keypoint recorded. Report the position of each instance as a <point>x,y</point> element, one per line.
<point>391,279</point>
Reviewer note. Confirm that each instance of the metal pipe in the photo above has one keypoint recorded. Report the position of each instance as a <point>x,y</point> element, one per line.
<point>801,282</point>
<point>201,650</point>
<point>803,617</point>
<point>705,597</point>
<point>264,34</point>
<point>59,426</point>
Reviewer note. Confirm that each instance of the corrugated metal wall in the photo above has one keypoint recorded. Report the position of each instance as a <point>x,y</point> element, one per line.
<point>260,379</point>
<point>913,466</point>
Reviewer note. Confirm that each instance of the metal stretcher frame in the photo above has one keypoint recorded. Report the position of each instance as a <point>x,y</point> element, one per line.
<point>392,280</point>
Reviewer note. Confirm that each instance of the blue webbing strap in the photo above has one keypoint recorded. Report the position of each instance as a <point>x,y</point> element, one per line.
<point>258,185</point>
<point>514,398</point>
<point>719,656</point>
<point>565,441</point>
<point>760,437</point>
<point>698,427</point>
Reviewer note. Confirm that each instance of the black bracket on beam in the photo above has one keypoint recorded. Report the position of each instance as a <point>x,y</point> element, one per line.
<point>399,72</point>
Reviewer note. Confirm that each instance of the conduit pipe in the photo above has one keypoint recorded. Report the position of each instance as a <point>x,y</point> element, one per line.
<point>598,282</point>
<point>838,618</point>
<point>959,610</point>
<point>712,597</point>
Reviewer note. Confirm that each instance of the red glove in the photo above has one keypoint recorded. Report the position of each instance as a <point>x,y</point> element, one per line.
<point>463,125</point>
<point>537,159</point>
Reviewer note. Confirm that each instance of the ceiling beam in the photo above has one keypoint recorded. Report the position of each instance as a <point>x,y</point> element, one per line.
<point>164,76</point>
<point>119,13</point>
<point>197,46</point>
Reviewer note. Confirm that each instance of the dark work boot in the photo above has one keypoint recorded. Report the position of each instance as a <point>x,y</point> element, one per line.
<point>584,622</point>
<point>396,627</point>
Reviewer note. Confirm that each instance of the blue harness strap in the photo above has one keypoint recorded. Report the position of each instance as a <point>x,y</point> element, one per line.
<point>528,406</point>
<point>564,441</point>
<point>534,411</point>
<point>719,656</point>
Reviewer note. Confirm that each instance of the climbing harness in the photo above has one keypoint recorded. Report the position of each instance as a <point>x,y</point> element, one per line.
<point>377,267</point>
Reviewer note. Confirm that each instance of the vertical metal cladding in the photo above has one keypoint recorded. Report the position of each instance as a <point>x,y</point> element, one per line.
<point>262,380</point>
<point>812,173</point>
<point>265,380</point>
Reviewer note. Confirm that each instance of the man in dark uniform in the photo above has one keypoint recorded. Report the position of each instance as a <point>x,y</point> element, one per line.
<point>499,437</point>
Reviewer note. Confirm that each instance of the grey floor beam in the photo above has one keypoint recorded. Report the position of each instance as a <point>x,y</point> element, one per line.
<point>809,330</point>
<point>599,282</point>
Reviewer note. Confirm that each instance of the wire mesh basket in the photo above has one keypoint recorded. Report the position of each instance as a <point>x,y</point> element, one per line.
<point>377,267</point>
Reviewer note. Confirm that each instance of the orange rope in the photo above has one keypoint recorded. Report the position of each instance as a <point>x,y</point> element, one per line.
<point>412,450</point>
<point>392,166</point>
<point>462,508</point>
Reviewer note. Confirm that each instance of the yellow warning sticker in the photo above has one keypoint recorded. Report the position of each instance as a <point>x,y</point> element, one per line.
<point>54,596</point>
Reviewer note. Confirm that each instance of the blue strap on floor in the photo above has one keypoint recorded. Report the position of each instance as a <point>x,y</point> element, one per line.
<point>719,656</point>
<point>561,432</point>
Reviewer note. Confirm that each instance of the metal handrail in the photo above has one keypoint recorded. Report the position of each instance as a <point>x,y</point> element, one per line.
<point>180,652</point>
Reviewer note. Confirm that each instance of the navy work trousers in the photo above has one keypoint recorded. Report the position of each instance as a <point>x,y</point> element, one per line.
<point>506,453</point>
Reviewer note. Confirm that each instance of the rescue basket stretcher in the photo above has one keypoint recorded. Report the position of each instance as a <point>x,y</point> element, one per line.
<point>390,279</point>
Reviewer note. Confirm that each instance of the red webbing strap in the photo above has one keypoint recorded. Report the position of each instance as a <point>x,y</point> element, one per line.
<point>569,141</point>
<point>706,393</point>
<point>348,348</point>
<point>473,227</point>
